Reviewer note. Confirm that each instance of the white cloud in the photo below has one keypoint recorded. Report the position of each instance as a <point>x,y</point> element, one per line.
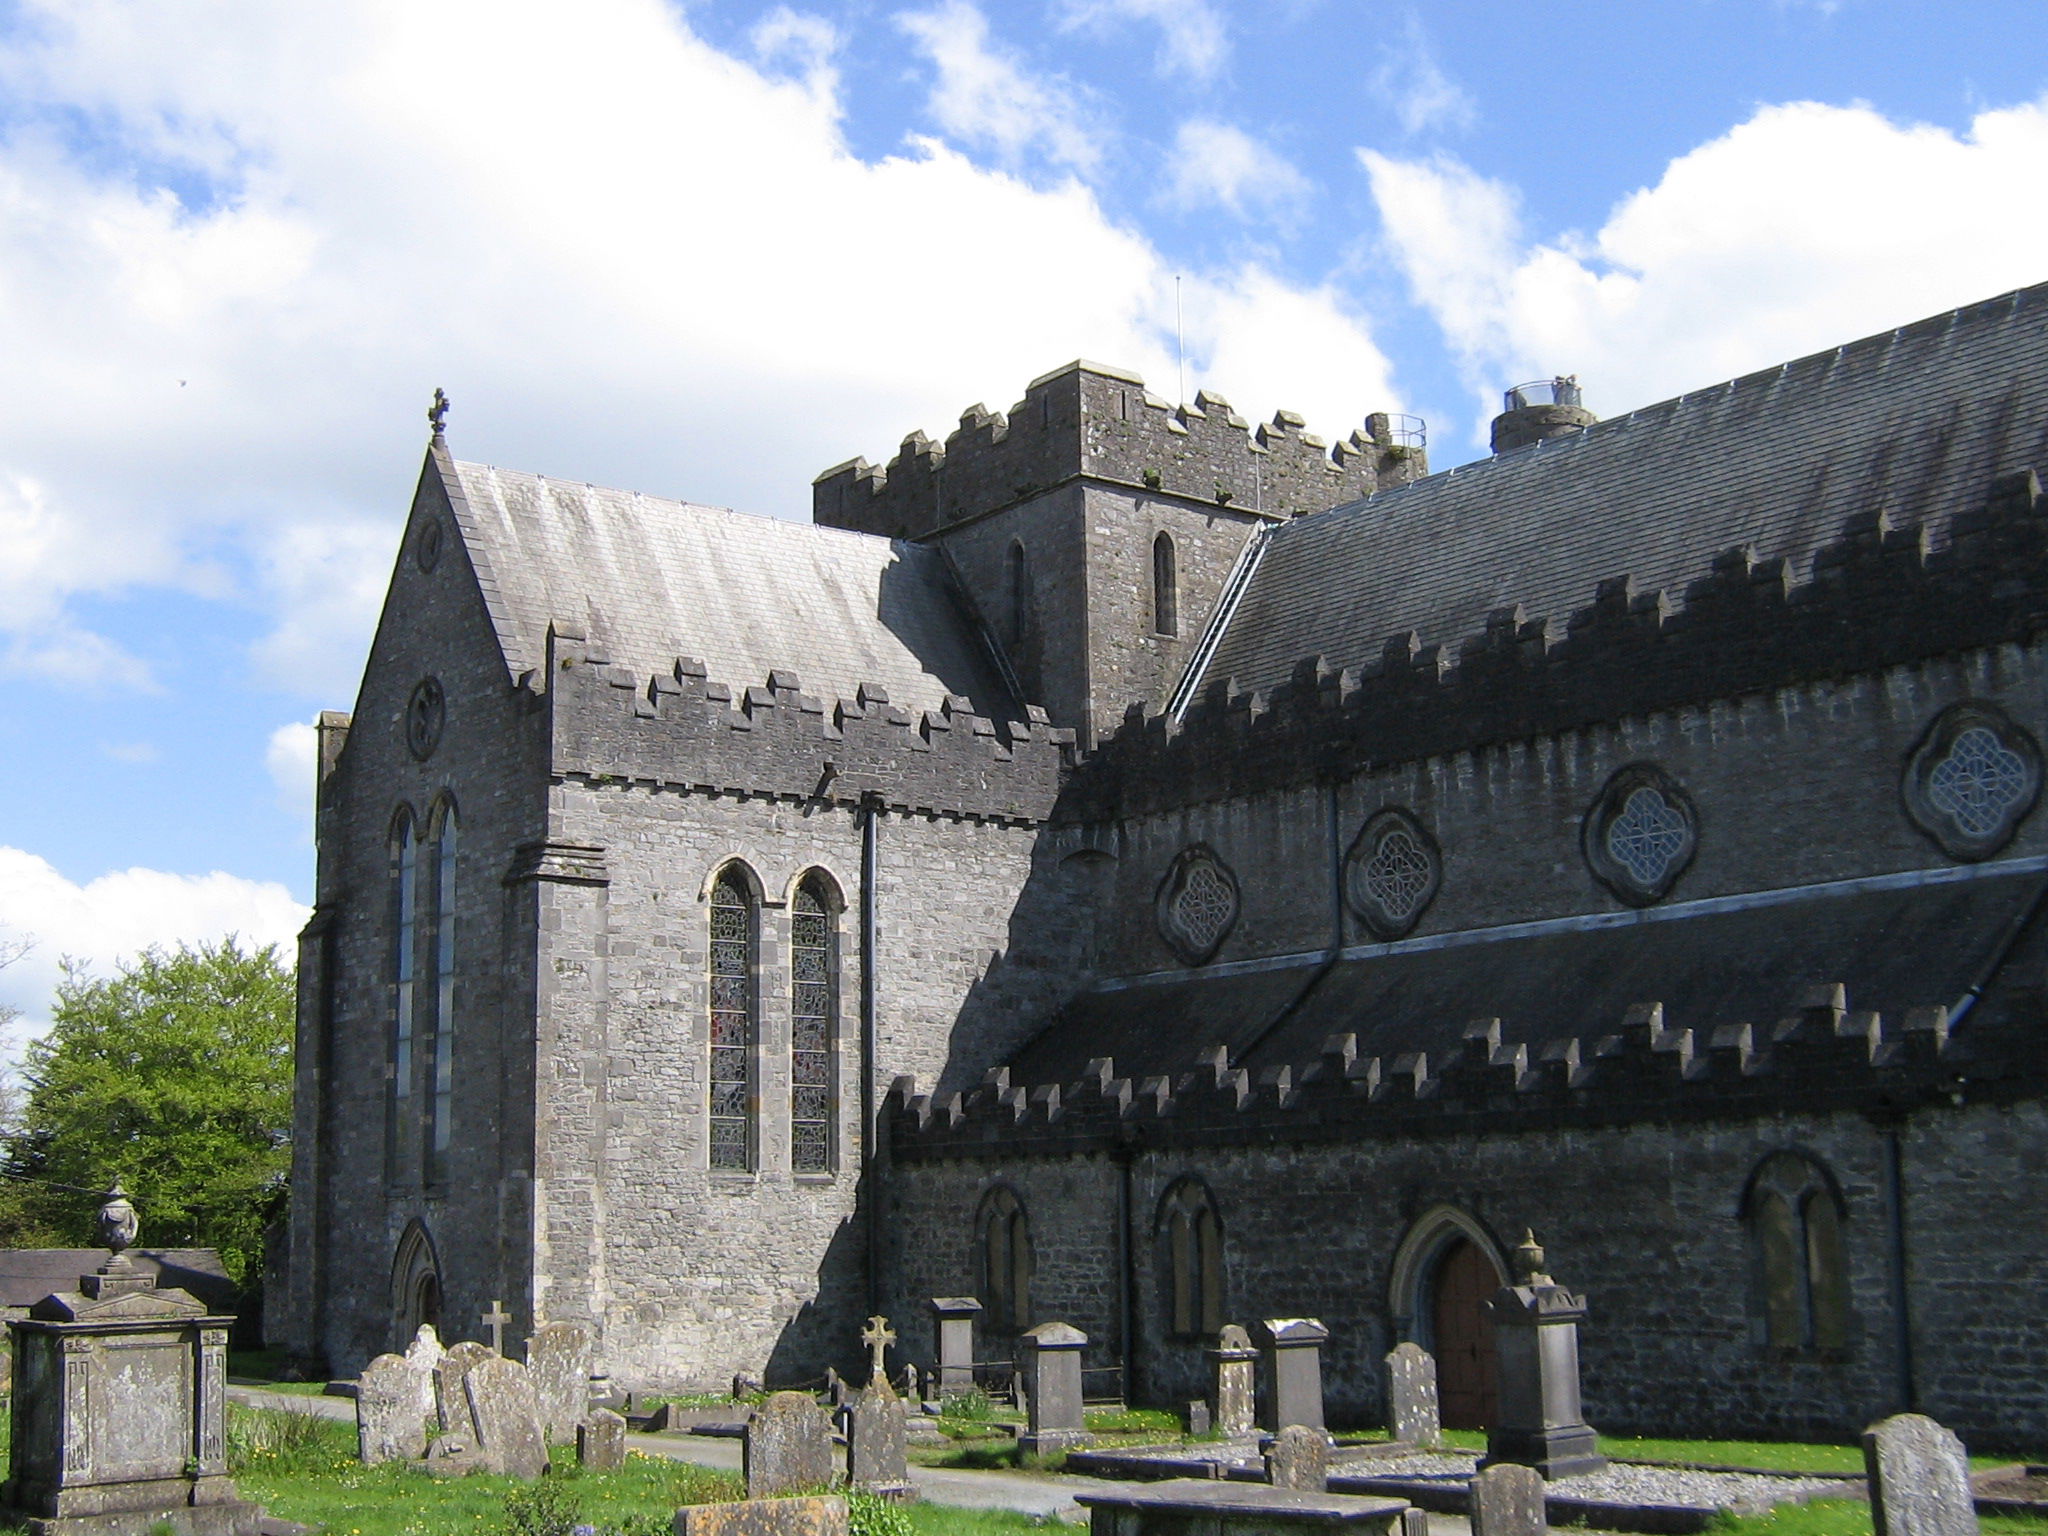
<point>116,917</point>
<point>1217,165</point>
<point>289,758</point>
<point>1790,233</point>
<point>1415,88</point>
<point>804,41</point>
<point>1192,38</point>
<point>984,96</point>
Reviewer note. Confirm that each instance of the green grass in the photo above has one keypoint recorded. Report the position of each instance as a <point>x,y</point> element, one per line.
<point>1133,1421</point>
<point>265,1369</point>
<point>1850,1517</point>
<point>940,1520</point>
<point>1765,1455</point>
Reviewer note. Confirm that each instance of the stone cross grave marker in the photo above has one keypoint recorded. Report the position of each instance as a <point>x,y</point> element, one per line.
<point>878,1336</point>
<point>1295,1370</point>
<point>601,1441</point>
<point>389,1424</point>
<point>1232,1406</point>
<point>1050,1355</point>
<point>1919,1478</point>
<point>1411,1396</point>
<point>1299,1458</point>
<point>425,1353</point>
<point>788,1446</point>
<point>451,1400</point>
<point>497,1320</point>
<point>507,1417</point>
<point>875,1457</point>
<point>1507,1500</point>
<point>558,1361</point>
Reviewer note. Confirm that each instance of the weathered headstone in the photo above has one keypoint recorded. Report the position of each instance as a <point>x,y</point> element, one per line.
<point>821,1516</point>
<point>601,1441</point>
<point>1050,1360</point>
<point>451,1402</point>
<point>558,1361</point>
<point>1294,1370</point>
<point>1919,1478</point>
<point>1412,1415</point>
<point>836,1389</point>
<point>1299,1457</point>
<point>506,1413</point>
<point>1539,1422</point>
<point>1198,1418</point>
<point>1233,1399</point>
<point>955,1317</point>
<point>389,1424</point>
<point>913,1384</point>
<point>746,1384</point>
<point>788,1446</point>
<point>875,1457</point>
<point>424,1353</point>
<point>1507,1500</point>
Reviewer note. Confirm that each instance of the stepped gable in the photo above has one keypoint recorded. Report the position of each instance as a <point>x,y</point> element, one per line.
<point>1880,595</point>
<point>1102,423</point>
<point>652,579</point>
<point>680,728</point>
<point>1905,428</point>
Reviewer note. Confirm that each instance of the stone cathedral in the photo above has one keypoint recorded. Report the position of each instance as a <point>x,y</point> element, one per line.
<point>1149,871</point>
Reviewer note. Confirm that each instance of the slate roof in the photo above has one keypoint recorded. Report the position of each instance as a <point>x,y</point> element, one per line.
<point>1916,422</point>
<point>652,580</point>
<point>1711,967</point>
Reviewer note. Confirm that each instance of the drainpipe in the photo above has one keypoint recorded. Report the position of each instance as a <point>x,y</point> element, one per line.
<point>870,827</point>
<point>1895,1221</point>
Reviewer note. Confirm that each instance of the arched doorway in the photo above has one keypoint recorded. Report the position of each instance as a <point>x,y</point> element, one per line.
<point>1462,1282</point>
<point>415,1284</point>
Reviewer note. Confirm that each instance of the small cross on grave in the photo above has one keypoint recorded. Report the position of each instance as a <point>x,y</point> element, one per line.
<point>495,1320</point>
<point>878,1336</point>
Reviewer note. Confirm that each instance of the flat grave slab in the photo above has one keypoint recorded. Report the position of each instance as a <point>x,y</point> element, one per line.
<point>1206,1507</point>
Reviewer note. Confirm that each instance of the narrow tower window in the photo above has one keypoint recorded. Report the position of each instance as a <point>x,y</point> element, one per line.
<point>1006,1261</point>
<point>734,922</point>
<point>404,964</point>
<point>1019,585</point>
<point>440,1043</point>
<point>1165,587</point>
<point>814,1018</point>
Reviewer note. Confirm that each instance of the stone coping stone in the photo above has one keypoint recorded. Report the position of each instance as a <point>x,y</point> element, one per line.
<point>1237,1459</point>
<point>1279,1506</point>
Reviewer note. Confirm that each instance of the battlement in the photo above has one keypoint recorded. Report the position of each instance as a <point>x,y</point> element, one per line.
<point>1087,420</point>
<point>1878,596</point>
<point>682,729</point>
<point>1819,1056</point>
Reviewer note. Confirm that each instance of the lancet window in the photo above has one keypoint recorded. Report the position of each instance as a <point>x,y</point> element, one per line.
<point>1194,1258</point>
<point>405,913</point>
<point>439,1046</point>
<point>735,924</point>
<point>1795,1220</point>
<point>813,1025</point>
<point>1006,1261</point>
<point>1165,587</point>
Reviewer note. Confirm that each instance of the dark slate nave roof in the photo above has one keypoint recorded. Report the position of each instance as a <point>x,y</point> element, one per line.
<point>1915,422</point>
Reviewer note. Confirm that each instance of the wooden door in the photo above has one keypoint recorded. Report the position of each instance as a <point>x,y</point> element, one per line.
<point>1465,1363</point>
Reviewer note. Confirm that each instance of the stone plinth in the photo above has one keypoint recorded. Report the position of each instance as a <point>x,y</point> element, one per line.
<point>1234,1400</point>
<point>953,1317</point>
<point>118,1396</point>
<point>1294,1366</point>
<point>1200,1507</point>
<point>1049,1356</point>
<point>1536,1335</point>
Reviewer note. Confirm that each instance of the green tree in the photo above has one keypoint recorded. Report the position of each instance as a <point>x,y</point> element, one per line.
<point>174,1076</point>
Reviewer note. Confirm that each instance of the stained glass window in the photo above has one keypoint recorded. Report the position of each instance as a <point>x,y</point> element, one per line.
<point>1795,1221</point>
<point>405,860</point>
<point>1648,836</point>
<point>1978,782</point>
<point>814,1006</point>
<point>733,923</point>
<point>440,1045</point>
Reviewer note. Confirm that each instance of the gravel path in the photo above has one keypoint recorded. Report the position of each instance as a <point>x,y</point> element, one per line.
<point>1742,1492</point>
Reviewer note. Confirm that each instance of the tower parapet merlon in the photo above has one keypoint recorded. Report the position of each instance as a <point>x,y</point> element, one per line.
<point>1088,420</point>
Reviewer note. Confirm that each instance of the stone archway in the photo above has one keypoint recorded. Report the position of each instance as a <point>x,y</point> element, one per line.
<point>415,1284</point>
<point>1444,1271</point>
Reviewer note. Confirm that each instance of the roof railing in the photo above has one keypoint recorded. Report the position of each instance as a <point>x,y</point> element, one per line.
<point>1562,390</point>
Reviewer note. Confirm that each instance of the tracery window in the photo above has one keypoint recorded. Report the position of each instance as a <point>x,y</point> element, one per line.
<point>1640,833</point>
<point>1196,905</point>
<point>814,1024</point>
<point>405,860</point>
<point>439,1046</point>
<point>735,923</point>
<point>1795,1221</point>
<point>1392,873</point>
<point>1006,1260</point>
<point>1165,587</point>
<point>1194,1259</point>
<point>1972,779</point>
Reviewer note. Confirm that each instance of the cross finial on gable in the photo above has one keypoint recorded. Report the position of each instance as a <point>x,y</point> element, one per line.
<point>878,1336</point>
<point>437,413</point>
<point>495,1320</point>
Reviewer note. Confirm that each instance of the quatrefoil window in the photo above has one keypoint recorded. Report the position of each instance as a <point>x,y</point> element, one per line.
<point>1972,779</point>
<point>1197,904</point>
<point>1640,834</point>
<point>425,713</point>
<point>1392,873</point>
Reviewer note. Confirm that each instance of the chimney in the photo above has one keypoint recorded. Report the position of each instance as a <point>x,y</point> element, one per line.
<point>1543,409</point>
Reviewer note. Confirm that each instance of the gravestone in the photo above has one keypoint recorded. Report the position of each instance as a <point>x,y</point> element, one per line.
<point>1299,1457</point>
<point>1050,1360</point>
<point>1294,1367</point>
<point>954,1318</point>
<point>822,1516</point>
<point>913,1384</point>
<point>1919,1478</point>
<point>451,1401</point>
<point>601,1441</point>
<point>389,1424</point>
<point>875,1457</point>
<point>1411,1396</point>
<point>788,1446</point>
<point>837,1389</point>
<point>558,1361</point>
<point>1507,1500</point>
<point>424,1353</point>
<point>506,1413</point>
<point>1198,1419</point>
<point>1233,1398</point>
<point>1539,1422</point>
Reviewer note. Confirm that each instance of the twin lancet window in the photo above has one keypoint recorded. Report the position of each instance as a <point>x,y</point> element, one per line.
<point>735,1024</point>
<point>420,1080</point>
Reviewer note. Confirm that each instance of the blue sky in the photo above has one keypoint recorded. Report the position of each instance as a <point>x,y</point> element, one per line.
<point>708,250</point>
